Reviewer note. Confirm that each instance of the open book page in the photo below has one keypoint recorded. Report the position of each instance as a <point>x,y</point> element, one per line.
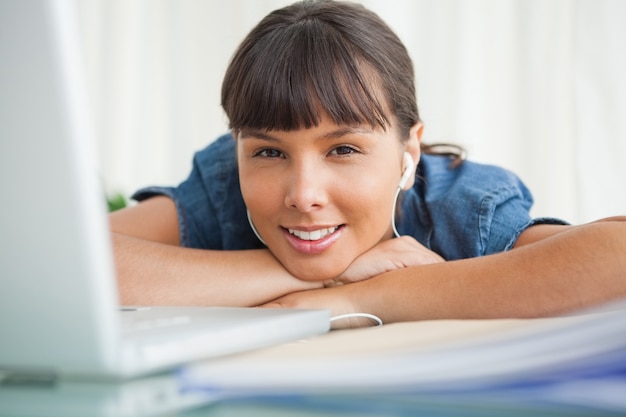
<point>429,356</point>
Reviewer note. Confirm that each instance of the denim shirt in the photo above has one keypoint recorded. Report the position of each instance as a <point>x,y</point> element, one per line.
<point>468,211</point>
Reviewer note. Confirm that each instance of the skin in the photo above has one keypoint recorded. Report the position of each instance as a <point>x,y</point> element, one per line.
<point>551,271</point>
<point>317,178</point>
<point>311,180</point>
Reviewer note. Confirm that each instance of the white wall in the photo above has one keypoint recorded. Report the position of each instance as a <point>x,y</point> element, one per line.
<point>536,86</point>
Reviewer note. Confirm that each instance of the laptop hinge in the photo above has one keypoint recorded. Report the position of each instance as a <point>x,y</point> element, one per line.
<point>27,377</point>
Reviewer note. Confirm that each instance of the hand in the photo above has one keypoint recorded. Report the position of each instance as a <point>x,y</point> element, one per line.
<point>389,255</point>
<point>337,300</point>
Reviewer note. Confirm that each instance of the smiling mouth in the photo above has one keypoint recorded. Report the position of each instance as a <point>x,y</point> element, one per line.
<point>313,235</point>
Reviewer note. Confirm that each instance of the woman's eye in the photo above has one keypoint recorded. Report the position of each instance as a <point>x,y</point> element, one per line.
<point>269,153</point>
<point>343,150</point>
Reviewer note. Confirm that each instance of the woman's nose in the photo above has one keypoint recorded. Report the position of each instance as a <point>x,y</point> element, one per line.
<point>306,189</point>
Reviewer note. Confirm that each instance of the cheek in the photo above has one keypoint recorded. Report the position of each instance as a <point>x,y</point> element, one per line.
<point>359,198</point>
<point>258,193</point>
<point>369,201</point>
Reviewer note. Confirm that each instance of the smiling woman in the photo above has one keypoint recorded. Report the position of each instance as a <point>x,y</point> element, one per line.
<point>299,184</point>
<point>302,197</point>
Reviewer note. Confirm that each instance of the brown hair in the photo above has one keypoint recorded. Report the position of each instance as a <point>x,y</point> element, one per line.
<point>319,58</point>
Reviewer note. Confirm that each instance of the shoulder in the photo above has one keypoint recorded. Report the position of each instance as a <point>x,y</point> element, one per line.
<point>210,207</point>
<point>215,181</point>
<point>466,211</point>
<point>218,156</point>
<point>216,164</point>
<point>215,173</point>
<point>439,180</point>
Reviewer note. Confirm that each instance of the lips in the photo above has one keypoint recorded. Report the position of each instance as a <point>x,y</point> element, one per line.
<point>312,241</point>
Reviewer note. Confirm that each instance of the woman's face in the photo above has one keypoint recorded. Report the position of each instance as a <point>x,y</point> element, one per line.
<point>320,197</point>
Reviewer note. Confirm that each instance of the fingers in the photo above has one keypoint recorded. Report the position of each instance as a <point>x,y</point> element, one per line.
<point>335,282</point>
<point>402,252</point>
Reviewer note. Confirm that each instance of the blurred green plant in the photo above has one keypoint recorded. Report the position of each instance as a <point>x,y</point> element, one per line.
<point>116,201</point>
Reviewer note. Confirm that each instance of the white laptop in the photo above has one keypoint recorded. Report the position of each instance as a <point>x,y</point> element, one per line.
<point>59,313</point>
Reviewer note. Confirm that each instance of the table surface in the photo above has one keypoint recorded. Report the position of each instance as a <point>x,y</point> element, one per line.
<point>47,405</point>
<point>155,395</point>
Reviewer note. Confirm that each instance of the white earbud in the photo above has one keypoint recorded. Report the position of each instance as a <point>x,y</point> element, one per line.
<point>409,164</point>
<point>256,232</point>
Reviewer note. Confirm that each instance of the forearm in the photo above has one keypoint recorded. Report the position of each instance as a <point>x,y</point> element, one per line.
<point>151,273</point>
<point>580,267</point>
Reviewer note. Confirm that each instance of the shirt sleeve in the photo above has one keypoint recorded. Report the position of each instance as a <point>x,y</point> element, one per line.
<point>505,215</point>
<point>210,209</point>
<point>197,221</point>
<point>468,211</point>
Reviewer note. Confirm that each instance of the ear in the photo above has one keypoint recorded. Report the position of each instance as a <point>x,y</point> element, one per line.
<point>412,146</point>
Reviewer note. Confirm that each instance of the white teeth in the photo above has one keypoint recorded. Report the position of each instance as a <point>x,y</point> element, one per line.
<point>313,235</point>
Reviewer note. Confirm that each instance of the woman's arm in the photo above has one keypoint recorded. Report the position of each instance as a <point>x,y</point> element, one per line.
<point>153,269</point>
<point>552,270</point>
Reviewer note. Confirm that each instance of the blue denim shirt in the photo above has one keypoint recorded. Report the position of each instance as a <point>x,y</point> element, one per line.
<point>468,211</point>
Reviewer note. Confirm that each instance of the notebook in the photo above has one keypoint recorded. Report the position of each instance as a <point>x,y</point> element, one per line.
<point>59,309</point>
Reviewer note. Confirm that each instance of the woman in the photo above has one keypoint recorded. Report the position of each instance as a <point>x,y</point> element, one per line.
<point>301,198</point>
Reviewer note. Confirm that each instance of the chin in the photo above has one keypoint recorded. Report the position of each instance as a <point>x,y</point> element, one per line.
<point>312,274</point>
